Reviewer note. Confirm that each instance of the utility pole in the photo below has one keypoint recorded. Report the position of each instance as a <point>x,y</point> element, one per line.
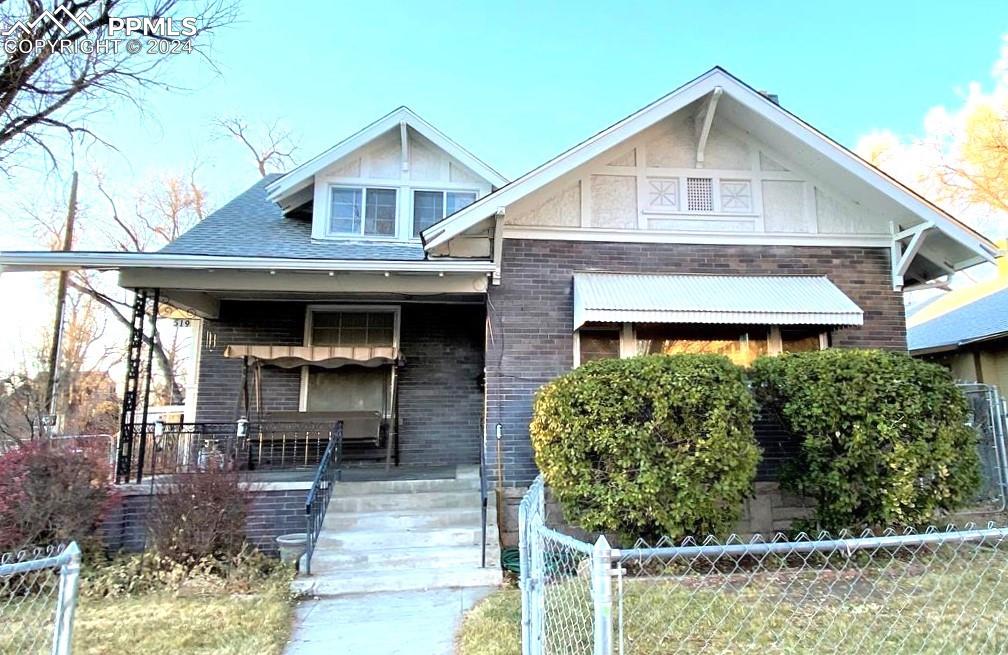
<point>61,289</point>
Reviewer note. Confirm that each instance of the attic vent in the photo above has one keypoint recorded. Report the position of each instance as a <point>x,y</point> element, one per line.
<point>699,194</point>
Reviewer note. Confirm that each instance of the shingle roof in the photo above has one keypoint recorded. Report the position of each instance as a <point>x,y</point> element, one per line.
<point>252,226</point>
<point>982,318</point>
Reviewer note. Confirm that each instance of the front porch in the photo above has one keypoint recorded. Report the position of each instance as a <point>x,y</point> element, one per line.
<point>402,376</point>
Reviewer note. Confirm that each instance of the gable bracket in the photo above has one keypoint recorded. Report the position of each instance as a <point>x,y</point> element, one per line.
<point>404,138</point>
<point>704,125</point>
<point>903,256</point>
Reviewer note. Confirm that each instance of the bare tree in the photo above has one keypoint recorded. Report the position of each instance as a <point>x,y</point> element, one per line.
<point>86,397</point>
<point>49,91</point>
<point>161,212</point>
<point>270,145</point>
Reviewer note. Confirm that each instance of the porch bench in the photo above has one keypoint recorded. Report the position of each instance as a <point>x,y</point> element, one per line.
<point>365,428</point>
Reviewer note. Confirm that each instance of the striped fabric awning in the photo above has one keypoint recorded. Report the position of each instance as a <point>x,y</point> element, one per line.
<point>321,356</point>
<point>722,299</point>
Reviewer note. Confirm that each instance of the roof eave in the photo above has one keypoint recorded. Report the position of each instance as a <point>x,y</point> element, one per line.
<point>304,174</point>
<point>64,261</point>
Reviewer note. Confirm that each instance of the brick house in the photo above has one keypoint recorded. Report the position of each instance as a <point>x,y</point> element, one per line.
<point>398,277</point>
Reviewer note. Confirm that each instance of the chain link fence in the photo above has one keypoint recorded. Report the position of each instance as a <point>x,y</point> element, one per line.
<point>930,591</point>
<point>38,597</point>
<point>989,417</point>
<point>935,591</point>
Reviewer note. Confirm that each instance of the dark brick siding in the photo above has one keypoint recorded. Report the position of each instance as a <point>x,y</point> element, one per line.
<point>440,397</point>
<point>531,313</point>
<point>270,513</point>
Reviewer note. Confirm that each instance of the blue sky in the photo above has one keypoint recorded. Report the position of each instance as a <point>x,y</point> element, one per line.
<point>516,82</point>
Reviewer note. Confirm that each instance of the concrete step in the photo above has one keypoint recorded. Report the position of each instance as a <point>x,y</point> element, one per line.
<point>405,501</point>
<point>358,582</point>
<point>411,558</point>
<point>372,487</point>
<point>381,539</point>
<point>409,520</point>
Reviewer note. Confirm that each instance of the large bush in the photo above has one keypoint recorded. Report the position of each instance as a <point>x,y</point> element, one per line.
<point>51,494</point>
<point>200,516</point>
<point>883,435</point>
<point>648,446</point>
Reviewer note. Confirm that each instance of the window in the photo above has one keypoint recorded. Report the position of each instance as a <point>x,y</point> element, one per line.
<point>353,328</point>
<point>351,387</point>
<point>598,343</point>
<point>802,340</point>
<point>363,211</point>
<point>741,344</point>
<point>429,207</point>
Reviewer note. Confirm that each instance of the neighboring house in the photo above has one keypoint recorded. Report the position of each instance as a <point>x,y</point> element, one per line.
<point>396,275</point>
<point>966,330</point>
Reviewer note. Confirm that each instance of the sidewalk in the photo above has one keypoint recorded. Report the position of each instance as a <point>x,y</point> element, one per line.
<point>397,623</point>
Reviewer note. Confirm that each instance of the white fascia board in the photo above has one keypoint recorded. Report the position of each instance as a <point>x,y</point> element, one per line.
<point>63,261</point>
<point>302,176</point>
<point>673,102</point>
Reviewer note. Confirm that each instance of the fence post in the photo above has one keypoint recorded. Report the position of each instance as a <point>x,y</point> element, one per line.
<point>601,583</point>
<point>523,575</point>
<point>66,602</point>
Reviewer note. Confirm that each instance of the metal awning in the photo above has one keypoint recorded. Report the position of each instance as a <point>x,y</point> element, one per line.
<point>321,356</point>
<point>724,299</point>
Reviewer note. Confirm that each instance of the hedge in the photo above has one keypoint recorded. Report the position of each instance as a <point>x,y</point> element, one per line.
<point>648,446</point>
<point>883,435</point>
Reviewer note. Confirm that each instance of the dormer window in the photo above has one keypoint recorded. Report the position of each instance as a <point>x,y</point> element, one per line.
<point>365,211</point>
<point>429,207</point>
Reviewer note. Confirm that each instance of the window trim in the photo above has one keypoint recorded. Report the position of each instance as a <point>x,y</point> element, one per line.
<point>311,310</point>
<point>363,188</point>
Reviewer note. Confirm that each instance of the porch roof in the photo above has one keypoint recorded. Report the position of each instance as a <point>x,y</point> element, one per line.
<point>724,299</point>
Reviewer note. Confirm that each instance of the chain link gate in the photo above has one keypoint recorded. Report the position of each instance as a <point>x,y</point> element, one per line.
<point>38,598</point>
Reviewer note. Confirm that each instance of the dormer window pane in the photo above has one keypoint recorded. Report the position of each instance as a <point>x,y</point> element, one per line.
<point>428,209</point>
<point>345,214</point>
<point>380,214</point>
<point>456,201</point>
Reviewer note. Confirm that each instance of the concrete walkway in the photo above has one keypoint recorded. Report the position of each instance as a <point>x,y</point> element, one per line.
<point>392,623</point>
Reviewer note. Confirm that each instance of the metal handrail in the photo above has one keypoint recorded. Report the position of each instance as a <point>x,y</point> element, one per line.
<point>483,502</point>
<point>321,491</point>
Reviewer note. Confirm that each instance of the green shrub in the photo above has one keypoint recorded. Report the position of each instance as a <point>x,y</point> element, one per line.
<point>884,440</point>
<point>648,446</point>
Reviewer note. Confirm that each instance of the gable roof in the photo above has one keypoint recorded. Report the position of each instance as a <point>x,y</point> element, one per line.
<point>251,225</point>
<point>982,319</point>
<point>780,119</point>
<point>302,176</point>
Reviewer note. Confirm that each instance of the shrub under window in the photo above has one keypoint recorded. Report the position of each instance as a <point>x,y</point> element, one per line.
<point>648,446</point>
<point>884,440</point>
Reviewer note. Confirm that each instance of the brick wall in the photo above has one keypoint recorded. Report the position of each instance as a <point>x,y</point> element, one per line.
<point>271,513</point>
<point>219,398</point>
<point>440,392</point>
<point>531,311</point>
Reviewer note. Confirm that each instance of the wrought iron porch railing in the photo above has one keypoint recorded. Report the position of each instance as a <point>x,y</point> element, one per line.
<point>321,492</point>
<point>170,448</point>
